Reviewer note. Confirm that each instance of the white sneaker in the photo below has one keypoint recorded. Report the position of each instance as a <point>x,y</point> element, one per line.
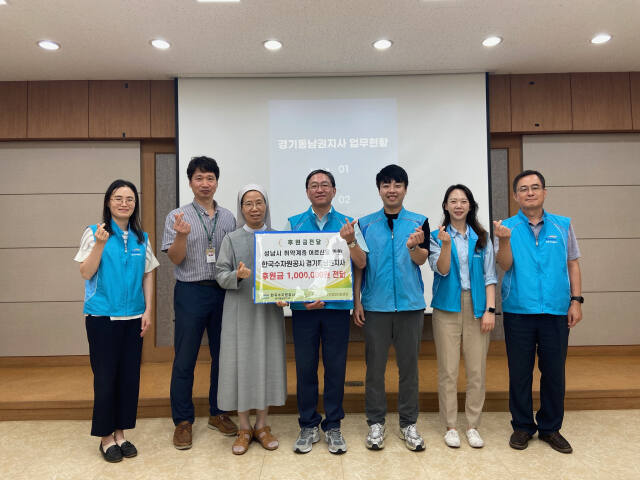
<point>474,438</point>
<point>375,437</point>
<point>412,439</point>
<point>452,439</point>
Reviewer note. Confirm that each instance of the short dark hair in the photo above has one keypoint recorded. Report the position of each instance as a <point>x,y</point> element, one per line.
<point>392,173</point>
<point>204,164</point>
<point>324,172</point>
<point>526,173</point>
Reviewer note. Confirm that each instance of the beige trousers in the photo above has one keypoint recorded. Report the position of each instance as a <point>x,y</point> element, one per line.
<point>449,328</point>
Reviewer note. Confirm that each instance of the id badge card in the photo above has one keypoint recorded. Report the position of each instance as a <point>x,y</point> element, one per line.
<point>211,255</point>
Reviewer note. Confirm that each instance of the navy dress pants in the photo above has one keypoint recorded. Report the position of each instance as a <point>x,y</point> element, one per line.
<point>197,307</point>
<point>548,336</point>
<point>115,349</point>
<point>310,329</point>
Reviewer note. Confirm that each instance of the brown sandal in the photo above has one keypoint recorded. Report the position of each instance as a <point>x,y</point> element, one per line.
<point>242,440</point>
<point>264,436</point>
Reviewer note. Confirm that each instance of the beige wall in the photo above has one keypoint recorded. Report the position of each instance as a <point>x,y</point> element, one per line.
<point>595,180</point>
<point>49,192</point>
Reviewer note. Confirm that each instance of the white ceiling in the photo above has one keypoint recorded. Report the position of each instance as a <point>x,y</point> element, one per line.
<point>109,39</point>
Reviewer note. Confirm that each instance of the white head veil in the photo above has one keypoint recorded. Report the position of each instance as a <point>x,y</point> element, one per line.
<point>247,188</point>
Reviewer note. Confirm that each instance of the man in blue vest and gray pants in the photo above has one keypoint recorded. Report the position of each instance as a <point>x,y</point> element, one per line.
<point>391,306</point>
<point>326,322</point>
<point>541,301</point>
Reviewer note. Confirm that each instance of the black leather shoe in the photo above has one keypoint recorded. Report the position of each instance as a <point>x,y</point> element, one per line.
<point>557,442</point>
<point>113,453</point>
<point>128,449</point>
<point>519,439</point>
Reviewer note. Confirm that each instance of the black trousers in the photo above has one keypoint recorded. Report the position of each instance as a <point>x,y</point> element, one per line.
<point>197,307</point>
<point>115,348</point>
<point>310,329</point>
<point>548,337</point>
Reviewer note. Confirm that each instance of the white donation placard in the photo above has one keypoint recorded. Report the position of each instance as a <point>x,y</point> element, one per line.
<point>301,267</point>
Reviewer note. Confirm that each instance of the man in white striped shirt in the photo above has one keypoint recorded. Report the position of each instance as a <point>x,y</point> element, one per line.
<point>192,236</point>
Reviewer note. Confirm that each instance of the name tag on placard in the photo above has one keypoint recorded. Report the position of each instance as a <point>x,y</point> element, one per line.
<point>211,255</point>
<point>301,267</point>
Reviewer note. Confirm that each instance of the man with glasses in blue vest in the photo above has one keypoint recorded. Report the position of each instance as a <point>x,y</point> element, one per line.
<point>541,301</point>
<point>322,322</point>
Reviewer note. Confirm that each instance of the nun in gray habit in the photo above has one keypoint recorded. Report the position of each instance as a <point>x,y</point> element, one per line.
<point>253,371</point>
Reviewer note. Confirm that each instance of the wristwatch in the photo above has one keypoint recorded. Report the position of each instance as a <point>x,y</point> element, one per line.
<point>491,310</point>
<point>352,244</point>
<point>578,299</point>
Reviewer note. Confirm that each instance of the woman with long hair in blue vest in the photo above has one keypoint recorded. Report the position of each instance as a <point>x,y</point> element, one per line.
<point>116,262</point>
<point>464,291</point>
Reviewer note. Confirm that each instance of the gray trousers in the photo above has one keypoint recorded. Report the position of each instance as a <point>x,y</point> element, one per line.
<point>404,330</point>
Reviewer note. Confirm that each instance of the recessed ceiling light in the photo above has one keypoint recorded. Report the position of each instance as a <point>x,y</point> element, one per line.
<point>491,41</point>
<point>3,2</point>
<point>272,45</point>
<point>382,44</point>
<point>601,38</point>
<point>49,45</point>
<point>160,44</point>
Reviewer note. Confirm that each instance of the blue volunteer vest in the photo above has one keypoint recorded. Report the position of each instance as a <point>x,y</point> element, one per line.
<point>538,280</point>
<point>392,282</point>
<point>447,289</point>
<point>306,222</point>
<point>115,290</point>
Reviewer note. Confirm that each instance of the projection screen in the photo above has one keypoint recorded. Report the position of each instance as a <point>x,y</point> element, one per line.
<point>274,131</point>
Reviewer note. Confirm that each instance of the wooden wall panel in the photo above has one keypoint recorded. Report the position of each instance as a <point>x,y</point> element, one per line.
<point>513,143</point>
<point>42,229</point>
<point>635,99</point>
<point>499,103</point>
<point>40,285</point>
<point>600,311</point>
<point>66,167</point>
<point>586,203</point>
<point>58,109</point>
<point>601,101</point>
<point>584,159</point>
<point>163,111</point>
<point>609,265</point>
<point>13,110</point>
<point>42,328</point>
<point>148,151</point>
<point>40,275</point>
<point>119,109</point>
<point>541,103</point>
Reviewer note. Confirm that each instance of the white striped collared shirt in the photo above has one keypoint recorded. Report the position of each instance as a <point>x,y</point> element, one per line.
<point>194,267</point>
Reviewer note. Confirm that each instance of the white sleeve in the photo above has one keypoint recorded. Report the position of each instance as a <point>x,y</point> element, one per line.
<point>150,261</point>
<point>362,243</point>
<point>86,245</point>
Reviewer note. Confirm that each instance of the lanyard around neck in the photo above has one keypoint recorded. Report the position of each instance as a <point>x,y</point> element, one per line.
<point>215,222</point>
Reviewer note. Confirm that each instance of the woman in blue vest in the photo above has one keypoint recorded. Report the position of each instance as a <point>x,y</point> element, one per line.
<point>116,261</point>
<point>464,286</point>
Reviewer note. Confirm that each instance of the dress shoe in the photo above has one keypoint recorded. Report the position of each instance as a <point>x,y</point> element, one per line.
<point>519,439</point>
<point>557,442</point>
<point>223,423</point>
<point>182,436</point>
